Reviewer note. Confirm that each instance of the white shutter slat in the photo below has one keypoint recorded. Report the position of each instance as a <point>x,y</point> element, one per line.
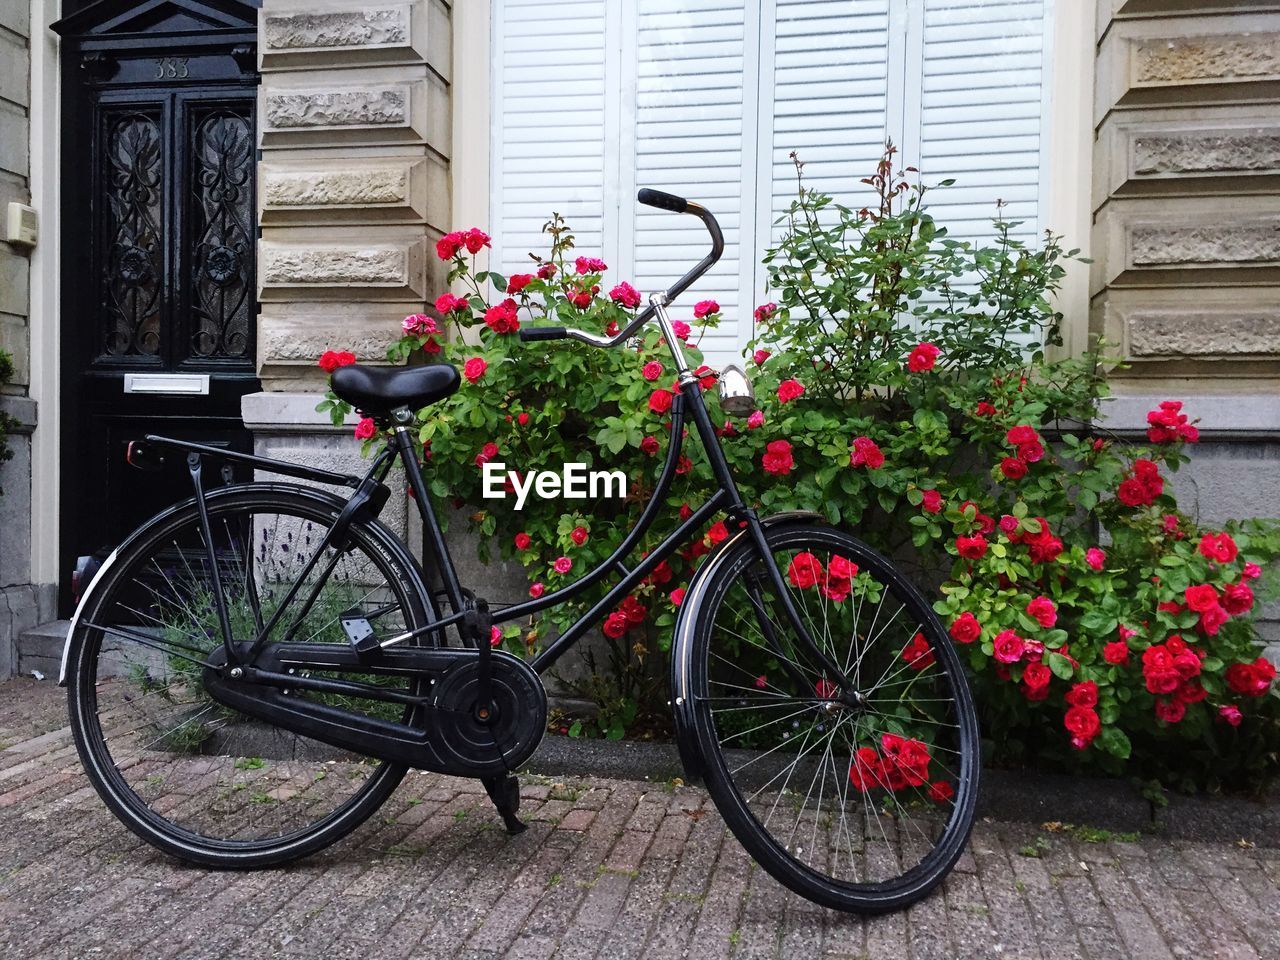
<point>981,111</point>
<point>548,134</point>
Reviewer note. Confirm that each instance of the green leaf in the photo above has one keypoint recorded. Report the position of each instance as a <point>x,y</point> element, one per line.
<point>1061,666</point>
<point>1114,741</point>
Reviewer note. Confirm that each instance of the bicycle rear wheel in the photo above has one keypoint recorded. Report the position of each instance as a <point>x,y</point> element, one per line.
<point>860,798</point>
<point>193,777</point>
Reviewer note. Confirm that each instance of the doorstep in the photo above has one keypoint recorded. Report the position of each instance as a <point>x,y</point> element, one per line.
<point>39,650</point>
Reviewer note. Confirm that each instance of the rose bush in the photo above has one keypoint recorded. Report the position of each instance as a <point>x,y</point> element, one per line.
<point>905,393</point>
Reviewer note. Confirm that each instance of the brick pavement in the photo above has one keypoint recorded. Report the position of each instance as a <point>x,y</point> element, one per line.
<point>608,869</point>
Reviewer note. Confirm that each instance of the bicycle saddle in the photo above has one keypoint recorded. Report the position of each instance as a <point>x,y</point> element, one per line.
<point>376,390</point>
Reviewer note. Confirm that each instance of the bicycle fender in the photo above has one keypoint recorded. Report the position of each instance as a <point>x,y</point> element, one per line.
<point>682,642</point>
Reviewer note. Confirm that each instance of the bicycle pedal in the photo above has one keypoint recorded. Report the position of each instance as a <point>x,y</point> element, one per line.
<point>360,632</point>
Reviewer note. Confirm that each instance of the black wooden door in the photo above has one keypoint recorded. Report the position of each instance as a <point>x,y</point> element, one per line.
<point>158,233</point>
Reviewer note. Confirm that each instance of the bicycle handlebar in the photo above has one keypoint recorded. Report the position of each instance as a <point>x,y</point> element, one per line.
<point>663,201</point>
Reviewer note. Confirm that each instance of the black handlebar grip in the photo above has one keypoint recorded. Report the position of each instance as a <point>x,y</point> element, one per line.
<point>530,334</point>
<point>663,201</point>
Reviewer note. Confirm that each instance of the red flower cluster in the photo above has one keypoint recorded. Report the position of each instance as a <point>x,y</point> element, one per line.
<point>866,454</point>
<point>788,390</point>
<point>1204,599</point>
<point>965,628</point>
<point>1081,719</point>
<point>972,548</point>
<point>923,358</point>
<point>451,244</point>
<point>705,307</point>
<point>504,317</point>
<point>1219,547</point>
<point>630,613</point>
<point>445,304</point>
<point>585,265</point>
<point>331,360</point>
<point>1251,679</point>
<point>1142,486</point>
<point>1028,448</point>
<point>1042,546</point>
<point>765,312</point>
<point>900,763</point>
<point>835,582</point>
<point>1166,666</point>
<point>777,458</point>
<point>1167,424</point>
<point>518,281</point>
<point>918,653</point>
<point>625,294</point>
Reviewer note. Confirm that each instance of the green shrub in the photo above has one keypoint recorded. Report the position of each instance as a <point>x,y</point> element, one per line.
<point>906,394</point>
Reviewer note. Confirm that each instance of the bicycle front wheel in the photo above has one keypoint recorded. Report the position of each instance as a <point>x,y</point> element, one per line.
<point>197,779</point>
<point>860,795</point>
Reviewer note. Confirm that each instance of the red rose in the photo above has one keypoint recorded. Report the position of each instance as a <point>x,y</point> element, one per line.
<point>1191,691</point>
<point>1230,714</point>
<point>1170,711</point>
<point>677,596</point>
<point>1037,676</point>
<point>866,454</point>
<point>448,246</point>
<point>1251,679</point>
<point>681,330</point>
<point>804,571</point>
<point>660,401</point>
<point>331,360</point>
<point>578,535</point>
<point>1021,434</point>
<point>1219,547</point>
<point>518,281</point>
<point>1013,468</point>
<point>1095,558</point>
<point>788,390</point>
<point>366,429</point>
<point>475,240</point>
<point>760,356</point>
<point>777,458</point>
<point>633,610</point>
<point>546,271</point>
<point>764,313</point>
<point>562,565</point>
<point>522,419</point>
<point>1083,694</point>
<point>984,409</point>
<point>585,265</point>
<point>1237,598</point>
<point>1008,647</point>
<point>503,318</point>
<point>971,548</point>
<point>625,294</point>
<point>931,501</point>
<point>922,358</point>
<point>651,371</point>
<point>1031,452</point>
<point>536,590</point>
<point>965,628</point>
<point>523,541</point>
<point>1211,620</point>
<point>1082,722</point>
<point>649,445</point>
<point>615,625</point>
<point>704,307</point>
<point>918,653</point>
<point>1116,652</point>
<point>1159,670</point>
<point>1201,597</point>
<point>474,369</point>
<point>706,377</point>
<point>940,791</point>
<point>1043,611</point>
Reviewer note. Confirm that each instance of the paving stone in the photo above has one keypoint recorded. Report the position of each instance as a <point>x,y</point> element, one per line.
<point>608,869</point>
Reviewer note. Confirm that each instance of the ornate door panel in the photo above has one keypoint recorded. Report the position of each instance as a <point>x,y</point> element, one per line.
<point>158,235</point>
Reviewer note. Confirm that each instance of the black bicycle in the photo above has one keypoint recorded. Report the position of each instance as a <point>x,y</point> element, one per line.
<point>254,670</point>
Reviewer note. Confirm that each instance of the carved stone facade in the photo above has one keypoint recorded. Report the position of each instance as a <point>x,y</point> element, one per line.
<point>1186,195</point>
<point>354,121</point>
<point>354,125</point>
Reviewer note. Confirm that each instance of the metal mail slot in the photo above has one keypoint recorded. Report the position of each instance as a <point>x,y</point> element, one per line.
<point>192,384</point>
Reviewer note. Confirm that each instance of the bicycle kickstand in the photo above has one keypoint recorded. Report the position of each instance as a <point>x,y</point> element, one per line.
<point>504,791</point>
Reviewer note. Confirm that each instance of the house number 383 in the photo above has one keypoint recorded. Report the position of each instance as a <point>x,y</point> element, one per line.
<point>171,68</point>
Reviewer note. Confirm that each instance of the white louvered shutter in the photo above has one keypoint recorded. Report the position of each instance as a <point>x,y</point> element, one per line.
<point>549,105</point>
<point>691,138</point>
<point>982,103</point>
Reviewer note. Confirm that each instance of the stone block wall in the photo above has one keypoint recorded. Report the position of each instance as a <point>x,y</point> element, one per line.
<point>22,605</point>
<point>1185,282</point>
<point>353,191</point>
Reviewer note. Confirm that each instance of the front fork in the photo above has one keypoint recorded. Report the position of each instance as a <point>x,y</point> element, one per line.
<point>739,512</point>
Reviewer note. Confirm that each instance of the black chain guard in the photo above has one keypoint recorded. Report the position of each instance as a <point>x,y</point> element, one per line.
<point>514,727</point>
